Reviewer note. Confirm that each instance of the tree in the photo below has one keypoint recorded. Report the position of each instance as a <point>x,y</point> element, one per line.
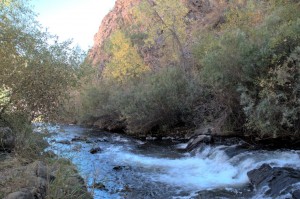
<point>35,69</point>
<point>165,20</point>
<point>125,61</point>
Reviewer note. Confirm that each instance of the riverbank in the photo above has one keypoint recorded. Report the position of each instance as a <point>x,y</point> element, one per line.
<point>207,134</point>
<point>33,173</point>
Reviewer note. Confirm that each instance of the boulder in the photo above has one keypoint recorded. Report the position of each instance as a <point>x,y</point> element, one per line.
<point>119,168</point>
<point>38,186</point>
<point>95,150</point>
<point>198,140</point>
<point>7,139</point>
<point>38,177</point>
<point>39,169</point>
<point>99,185</point>
<point>79,139</point>
<point>279,180</point>
<point>102,140</point>
<point>25,194</point>
<point>296,194</point>
<point>67,142</point>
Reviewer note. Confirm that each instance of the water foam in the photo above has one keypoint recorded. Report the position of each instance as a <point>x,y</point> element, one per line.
<point>211,168</point>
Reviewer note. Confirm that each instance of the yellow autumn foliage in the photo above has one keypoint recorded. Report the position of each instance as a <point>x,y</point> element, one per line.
<point>125,62</point>
<point>164,21</point>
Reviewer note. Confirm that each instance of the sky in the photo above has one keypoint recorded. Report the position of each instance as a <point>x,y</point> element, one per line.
<point>73,19</point>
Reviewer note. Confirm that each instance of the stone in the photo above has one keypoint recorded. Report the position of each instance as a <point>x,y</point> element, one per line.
<point>258,177</point>
<point>277,179</point>
<point>40,187</point>
<point>99,185</point>
<point>79,139</point>
<point>50,154</point>
<point>198,140</point>
<point>102,140</point>
<point>95,150</point>
<point>296,194</point>
<point>7,139</point>
<point>67,142</point>
<point>20,195</point>
<point>151,138</point>
<point>39,168</point>
<point>126,188</point>
<point>119,168</point>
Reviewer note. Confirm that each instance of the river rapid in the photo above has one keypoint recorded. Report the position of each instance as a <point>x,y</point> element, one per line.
<point>131,168</point>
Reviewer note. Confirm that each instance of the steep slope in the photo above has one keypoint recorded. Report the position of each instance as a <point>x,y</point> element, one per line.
<point>202,13</point>
<point>118,16</point>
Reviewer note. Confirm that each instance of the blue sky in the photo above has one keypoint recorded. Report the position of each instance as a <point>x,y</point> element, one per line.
<point>77,19</point>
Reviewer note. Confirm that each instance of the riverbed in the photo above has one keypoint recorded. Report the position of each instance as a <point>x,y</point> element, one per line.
<point>124,167</point>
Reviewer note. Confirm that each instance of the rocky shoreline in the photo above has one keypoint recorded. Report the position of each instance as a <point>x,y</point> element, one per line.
<point>47,176</point>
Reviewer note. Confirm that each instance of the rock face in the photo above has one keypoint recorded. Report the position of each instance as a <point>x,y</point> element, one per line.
<point>278,180</point>
<point>201,13</point>
<point>112,21</point>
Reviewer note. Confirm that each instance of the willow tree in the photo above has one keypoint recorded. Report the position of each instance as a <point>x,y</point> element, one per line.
<point>35,69</point>
<point>164,20</point>
<point>125,62</point>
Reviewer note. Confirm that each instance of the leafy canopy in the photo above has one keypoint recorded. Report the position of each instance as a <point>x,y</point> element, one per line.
<point>35,69</point>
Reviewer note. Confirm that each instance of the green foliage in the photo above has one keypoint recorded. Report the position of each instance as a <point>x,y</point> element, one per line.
<point>155,101</point>
<point>247,77</point>
<point>125,62</point>
<point>36,74</point>
<point>161,100</point>
<point>249,60</point>
<point>278,109</point>
<point>35,68</point>
<point>28,144</point>
<point>67,184</point>
<point>164,22</point>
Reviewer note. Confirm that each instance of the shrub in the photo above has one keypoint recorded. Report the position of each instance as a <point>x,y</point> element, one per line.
<point>161,100</point>
<point>248,63</point>
<point>156,101</point>
<point>28,144</point>
<point>277,111</point>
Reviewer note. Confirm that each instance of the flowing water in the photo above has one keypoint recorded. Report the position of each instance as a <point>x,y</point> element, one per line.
<point>130,168</point>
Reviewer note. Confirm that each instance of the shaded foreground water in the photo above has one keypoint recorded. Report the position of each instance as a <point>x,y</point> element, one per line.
<point>130,168</point>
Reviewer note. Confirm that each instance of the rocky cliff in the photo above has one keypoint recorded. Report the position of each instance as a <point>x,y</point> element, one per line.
<point>202,13</point>
<point>118,16</point>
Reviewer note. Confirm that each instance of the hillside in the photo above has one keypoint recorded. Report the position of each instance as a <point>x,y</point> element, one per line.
<point>200,14</point>
<point>230,67</point>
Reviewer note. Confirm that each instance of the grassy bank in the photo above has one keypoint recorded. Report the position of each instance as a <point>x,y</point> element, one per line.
<point>26,169</point>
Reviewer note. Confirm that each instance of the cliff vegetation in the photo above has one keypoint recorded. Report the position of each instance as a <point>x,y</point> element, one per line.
<point>160,66</point>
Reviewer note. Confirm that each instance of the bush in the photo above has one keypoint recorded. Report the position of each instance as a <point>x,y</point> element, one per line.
<point>277,111</point>
<point>156,101</point>
<point>247,60</point>
<point>159,101</point>
<point>28,144</point>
